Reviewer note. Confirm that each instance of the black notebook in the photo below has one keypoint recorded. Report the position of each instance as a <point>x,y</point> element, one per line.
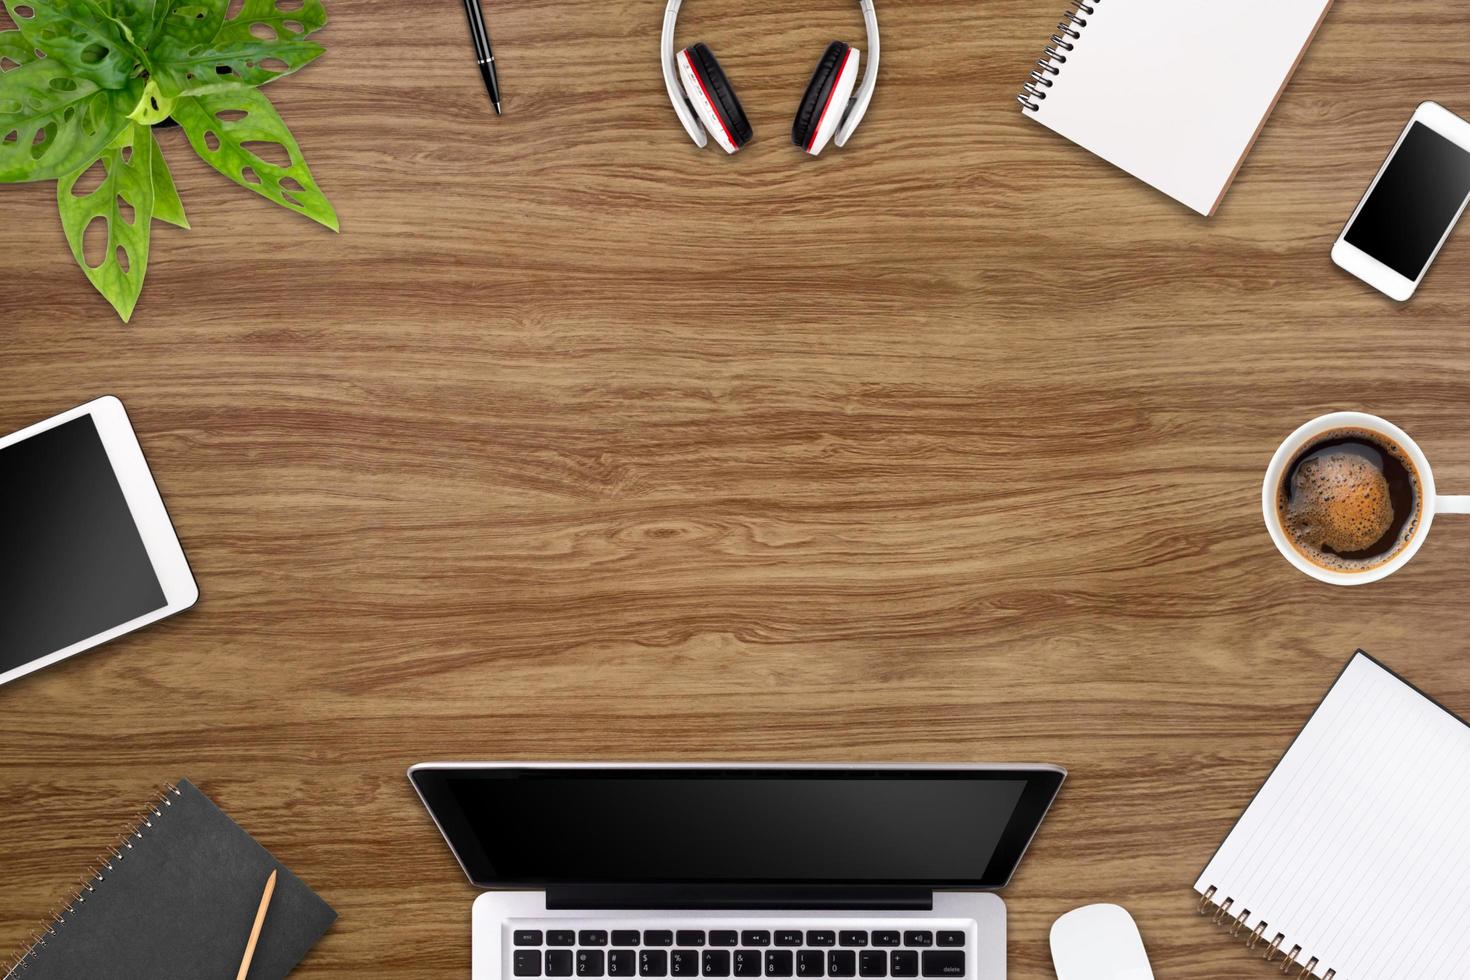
<point>175,900</point>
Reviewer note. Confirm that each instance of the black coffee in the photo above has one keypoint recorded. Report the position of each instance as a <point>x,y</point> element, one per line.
<point>1349,501</point>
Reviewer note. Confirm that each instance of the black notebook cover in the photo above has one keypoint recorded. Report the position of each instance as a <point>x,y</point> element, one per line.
<point>179,905</point>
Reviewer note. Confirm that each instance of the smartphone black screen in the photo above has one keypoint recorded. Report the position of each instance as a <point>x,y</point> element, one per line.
<point>1405,217</point>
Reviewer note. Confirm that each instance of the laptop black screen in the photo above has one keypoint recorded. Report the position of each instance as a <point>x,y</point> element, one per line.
<point>520,827</point>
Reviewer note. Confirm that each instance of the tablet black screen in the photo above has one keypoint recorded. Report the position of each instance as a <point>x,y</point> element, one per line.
<point>72,563</point>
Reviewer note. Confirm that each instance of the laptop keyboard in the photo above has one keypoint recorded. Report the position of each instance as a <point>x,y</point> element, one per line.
<point>724,952</point>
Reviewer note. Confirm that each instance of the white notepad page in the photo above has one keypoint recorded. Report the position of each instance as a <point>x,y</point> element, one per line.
<point>1357,848</point>
<point>1175,91</point>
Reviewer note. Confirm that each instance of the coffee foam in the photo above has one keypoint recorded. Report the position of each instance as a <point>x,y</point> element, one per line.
<point>1339,502</point>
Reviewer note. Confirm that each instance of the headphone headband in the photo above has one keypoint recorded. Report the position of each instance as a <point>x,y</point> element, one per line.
<point>857,106</point>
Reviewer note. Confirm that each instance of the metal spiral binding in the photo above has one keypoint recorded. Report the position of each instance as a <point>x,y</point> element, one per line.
<point>1069,29</point>
<point>1219,913</point>
<point>61,916</point>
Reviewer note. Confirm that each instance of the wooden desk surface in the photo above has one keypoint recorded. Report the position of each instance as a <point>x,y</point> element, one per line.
<point>580,444</point>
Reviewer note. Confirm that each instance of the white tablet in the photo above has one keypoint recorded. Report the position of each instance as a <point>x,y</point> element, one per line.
<point>87,552</point>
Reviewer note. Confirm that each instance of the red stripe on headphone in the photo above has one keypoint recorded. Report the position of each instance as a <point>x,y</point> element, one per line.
<point>823,117</point>
<point>713,108</point>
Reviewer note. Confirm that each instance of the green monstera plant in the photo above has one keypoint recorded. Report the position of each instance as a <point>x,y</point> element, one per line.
<point>83,83</point>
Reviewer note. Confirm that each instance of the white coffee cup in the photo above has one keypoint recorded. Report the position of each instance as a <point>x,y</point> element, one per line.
<point>1430,503</point>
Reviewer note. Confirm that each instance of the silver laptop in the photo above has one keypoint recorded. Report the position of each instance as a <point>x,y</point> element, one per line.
<point>729,871</point>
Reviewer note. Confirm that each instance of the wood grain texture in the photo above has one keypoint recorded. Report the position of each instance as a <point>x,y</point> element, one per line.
<point>580,444</point>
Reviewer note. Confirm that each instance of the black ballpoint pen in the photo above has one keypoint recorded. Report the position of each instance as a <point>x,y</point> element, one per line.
<point>483,54</point>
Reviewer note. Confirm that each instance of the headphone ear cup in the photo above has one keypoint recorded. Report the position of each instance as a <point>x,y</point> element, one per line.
<point>713,97</point>
<point>821,108</point>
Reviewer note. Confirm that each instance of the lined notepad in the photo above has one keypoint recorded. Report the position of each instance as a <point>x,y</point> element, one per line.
<point>1172,91</point>
<point>1354,857</point>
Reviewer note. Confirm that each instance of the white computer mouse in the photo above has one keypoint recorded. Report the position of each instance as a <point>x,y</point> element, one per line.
<point>1099,942</point>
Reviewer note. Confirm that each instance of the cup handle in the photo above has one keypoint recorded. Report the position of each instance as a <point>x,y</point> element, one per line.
<point>1452,505</point>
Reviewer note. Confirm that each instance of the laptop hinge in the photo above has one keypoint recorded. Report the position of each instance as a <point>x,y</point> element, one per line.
<point>739,897</point>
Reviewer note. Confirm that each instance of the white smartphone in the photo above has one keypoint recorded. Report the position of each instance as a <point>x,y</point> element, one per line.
<point>1400,224</point>
<point>89,552</point>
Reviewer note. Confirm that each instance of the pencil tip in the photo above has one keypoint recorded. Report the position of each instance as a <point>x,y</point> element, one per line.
<point>497,108</point>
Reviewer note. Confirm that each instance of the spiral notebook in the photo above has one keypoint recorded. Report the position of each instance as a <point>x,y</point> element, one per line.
<point>175,899</point>
<point>1172,91</point>
<point>1352,861</point>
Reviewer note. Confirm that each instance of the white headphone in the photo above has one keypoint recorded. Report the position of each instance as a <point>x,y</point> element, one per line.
<point>705,101</point>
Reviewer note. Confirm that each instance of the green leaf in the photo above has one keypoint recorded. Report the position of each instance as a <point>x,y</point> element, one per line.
<point>52,123</point>
<point>153,106</point>
<point>308,18</point>
<point>15,50</point>
<point>231,128</point>
<point>79,34</point>
<point>141,18</point>
<point>190,22</point>
<point>166,203</point>
<point>258,45</point>
<point>124,200</point>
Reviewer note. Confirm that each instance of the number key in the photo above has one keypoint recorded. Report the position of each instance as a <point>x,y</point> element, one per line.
<point>589,962</point>
<point>778,962</point>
